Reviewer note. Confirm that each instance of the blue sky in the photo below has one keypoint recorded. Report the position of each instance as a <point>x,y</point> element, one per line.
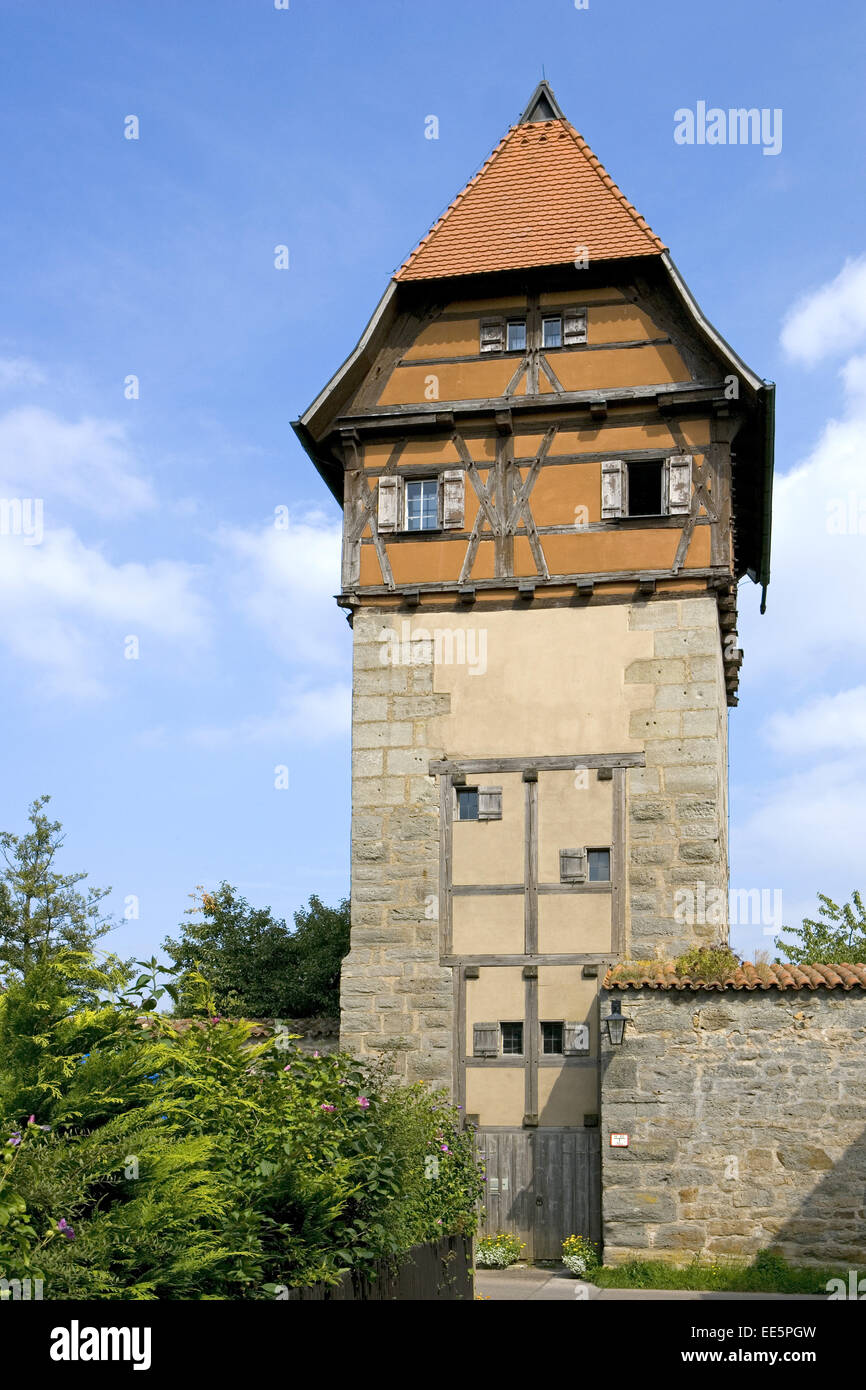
<point>155,258</point>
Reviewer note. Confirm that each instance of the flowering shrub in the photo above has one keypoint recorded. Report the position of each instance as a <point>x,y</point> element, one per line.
<point>495,1252</point>
<point>579,1255</point>
<point>160,1163</point>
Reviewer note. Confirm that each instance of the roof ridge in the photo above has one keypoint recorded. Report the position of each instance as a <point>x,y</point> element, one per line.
<point>607,179</point>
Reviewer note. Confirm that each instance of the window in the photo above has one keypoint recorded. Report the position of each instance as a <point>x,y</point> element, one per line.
<point>516,335</point>
<point>645,488</point>
<point>551,332</point>
<point>512,1039</point>
<point>599,865</point>
<point>422,505</point>
<point>551,1039</point>
<point>479,803</point>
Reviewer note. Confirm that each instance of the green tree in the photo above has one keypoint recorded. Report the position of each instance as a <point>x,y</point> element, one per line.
<point>837,936</point>
<point>255,966</point>
<point>41,910</point>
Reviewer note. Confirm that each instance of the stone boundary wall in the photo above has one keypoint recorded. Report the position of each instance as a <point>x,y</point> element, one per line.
<point>746,1116</point>
<point>678,803</point>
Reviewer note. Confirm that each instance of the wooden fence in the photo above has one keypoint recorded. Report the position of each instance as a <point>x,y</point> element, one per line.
<point>441,1269</point>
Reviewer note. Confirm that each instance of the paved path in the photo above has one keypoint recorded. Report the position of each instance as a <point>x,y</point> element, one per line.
<point>522,1282</point>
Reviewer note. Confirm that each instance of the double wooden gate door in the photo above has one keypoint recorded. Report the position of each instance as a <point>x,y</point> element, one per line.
<point>542,1185</point>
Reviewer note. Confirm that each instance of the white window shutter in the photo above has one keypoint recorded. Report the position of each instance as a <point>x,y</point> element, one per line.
<point>679,484</point>
<point>485,1040</point>
<point>612,503</point>
<point>575,1039</point>
<point>390,503</point>
<point>573,327</point>
<point>490,803</point>
<point>492,335</point>
<point>453,483</point>
<point>572,865</point>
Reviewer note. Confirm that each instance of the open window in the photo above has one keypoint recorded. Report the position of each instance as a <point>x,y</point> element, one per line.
<point>646,487</point>
<point>479,803</point>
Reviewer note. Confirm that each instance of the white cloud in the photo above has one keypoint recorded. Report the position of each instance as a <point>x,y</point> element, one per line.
<point>284,581</point>
<point>826,724</point>
<point>67,609</point>
<point>19,371</point>
<point>312,715</point>
<point>89,463</point>
<point>819,555</point>
<point>830,320</point>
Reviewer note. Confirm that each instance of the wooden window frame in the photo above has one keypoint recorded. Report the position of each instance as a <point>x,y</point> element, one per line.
<point>421,530</point>
<point>525,322</point>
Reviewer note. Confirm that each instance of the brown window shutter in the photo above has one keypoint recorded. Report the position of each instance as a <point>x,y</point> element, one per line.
<point>389,512</point>
<point>612,500</point>
<point>575,1039</point>
<point>453,486</point>
<point>485,1039</point>
<point>490,803</point>
<point>679,484</point>
<point>572,865</point>
<point>492,335</point>
<point>573,327</point>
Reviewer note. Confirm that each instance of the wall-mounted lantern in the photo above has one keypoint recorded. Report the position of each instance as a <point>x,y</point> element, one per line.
<point>616,1021</point>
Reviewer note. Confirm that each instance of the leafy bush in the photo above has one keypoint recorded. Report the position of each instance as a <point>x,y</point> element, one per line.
<point>838,935</point>
<point>579,1255</point>
<point>143,1161</point>
<point>497,1251</point>
<point>707,962</point>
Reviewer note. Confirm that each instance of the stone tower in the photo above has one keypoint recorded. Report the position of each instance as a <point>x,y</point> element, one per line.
<point>553,472</point>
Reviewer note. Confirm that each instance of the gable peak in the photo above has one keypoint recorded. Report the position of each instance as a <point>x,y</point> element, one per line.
<point>542,106</point>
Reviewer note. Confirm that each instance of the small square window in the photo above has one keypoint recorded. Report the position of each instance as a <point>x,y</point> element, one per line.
<point>422,505</point>
<point>512,1039</point>
<point>599,865</point>
<point>551,1039</point>
<point>551,332</point>
<point>645,488</point>
<point>467,803</point>
<point>516,335</point>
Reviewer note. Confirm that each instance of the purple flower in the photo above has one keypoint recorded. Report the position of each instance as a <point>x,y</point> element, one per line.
<point>15,1139</point>
<point>288,1067</point>
<point>326,1106</point>
<point>65,1229</point>
<point>217,1018</point>
<point>363,1102</point>
<point>32,1120</point>
<point>445,1149</point>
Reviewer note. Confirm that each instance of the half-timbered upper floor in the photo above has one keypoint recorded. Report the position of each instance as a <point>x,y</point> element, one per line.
<point>538,406</point>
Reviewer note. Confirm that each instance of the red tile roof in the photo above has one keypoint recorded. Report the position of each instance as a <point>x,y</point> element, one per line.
<point>663,975</point>
<point>540,196</point>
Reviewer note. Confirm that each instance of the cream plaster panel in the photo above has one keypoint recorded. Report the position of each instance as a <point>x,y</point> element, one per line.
<point>496,1094</point>
<point>574,923</point>
<point>566,1094</point>
<point>491,926</point>
<point>497,996</point>
<point>544,681</point>
<point>492,851</point>
<point>574,810</point>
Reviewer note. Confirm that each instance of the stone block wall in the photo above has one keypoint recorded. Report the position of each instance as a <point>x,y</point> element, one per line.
<point>678,802</point>
<point>746,1117</point>
<point>395,996</point>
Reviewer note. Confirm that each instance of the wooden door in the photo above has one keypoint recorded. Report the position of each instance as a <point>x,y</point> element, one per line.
<point>542,1185</point>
